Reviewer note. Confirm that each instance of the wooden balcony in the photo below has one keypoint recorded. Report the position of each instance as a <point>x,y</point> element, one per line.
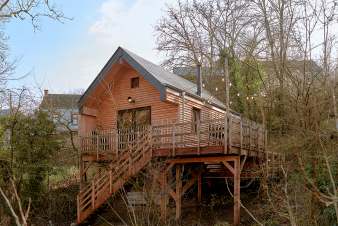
<point>209,137</point>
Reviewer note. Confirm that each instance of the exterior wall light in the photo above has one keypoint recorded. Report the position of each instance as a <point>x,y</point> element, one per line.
<point>131,100</point>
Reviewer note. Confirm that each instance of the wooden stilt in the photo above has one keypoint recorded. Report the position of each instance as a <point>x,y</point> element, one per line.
<point>199,187</point>
<point>164,196</point>
<point>178,199</point>
<point>237,191</point>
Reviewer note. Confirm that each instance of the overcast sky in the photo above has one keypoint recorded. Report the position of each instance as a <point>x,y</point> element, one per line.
<point>67,57</point>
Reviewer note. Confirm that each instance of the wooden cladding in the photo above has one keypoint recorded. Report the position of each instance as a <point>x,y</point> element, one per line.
<point>116,100</point>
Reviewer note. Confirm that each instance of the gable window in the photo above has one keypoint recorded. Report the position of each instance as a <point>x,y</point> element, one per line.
<point>134,82</point>
<point>196,118</point>
<point>75,118</point>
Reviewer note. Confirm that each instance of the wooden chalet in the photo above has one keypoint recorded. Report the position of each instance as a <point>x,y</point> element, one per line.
<point>135,112</point>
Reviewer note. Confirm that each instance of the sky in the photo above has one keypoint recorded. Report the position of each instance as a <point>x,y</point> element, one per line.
<point>66,57</point>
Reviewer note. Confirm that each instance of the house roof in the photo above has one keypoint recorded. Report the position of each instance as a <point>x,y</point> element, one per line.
<point>5,112</point>
<point>60,101</point>
<point>154,74</point>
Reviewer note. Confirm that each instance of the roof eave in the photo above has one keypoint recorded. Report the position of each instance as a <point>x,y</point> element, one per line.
<point>121,54</point>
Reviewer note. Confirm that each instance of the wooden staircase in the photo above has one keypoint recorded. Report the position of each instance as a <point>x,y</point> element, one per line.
<point>126,165</point>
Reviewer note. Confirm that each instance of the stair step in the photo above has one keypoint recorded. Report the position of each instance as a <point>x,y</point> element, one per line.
<point>104,186</point>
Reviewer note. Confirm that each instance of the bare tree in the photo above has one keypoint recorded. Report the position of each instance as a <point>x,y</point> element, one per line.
<point>20,216</point>
<point>291,46</point>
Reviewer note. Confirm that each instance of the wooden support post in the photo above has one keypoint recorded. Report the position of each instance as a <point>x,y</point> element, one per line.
<point>78,208</point>
<point>237,191</point>
<point>178,199</point>
<point>199,187</point>
<point>164,196</point>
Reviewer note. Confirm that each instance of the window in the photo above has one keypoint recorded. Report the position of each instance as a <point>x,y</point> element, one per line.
<point>75,118</point>
<point>130,121</point>
<point>196,118</point>
<point>134,117</point>
<point>134,83</point>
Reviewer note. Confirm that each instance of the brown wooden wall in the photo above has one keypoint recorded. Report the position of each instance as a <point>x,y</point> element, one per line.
<point>115,99</point>
<point>113,92</point>
<point>208,112</point>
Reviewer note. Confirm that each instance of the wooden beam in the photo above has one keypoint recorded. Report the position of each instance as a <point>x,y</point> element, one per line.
<point>160,180</point>
<point>218,159</point>
<point>229,167</point>
<point>237,191</point>
<point>178,192</point>
<point>188,185</point>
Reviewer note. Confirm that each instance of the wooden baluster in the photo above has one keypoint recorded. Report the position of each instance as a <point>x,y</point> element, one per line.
<point>93,194</point>
<point>226,133</point>
<point>130,165</point>
<point>241,136</point>
<point>110,181</point>
<point>198,126</point>
<point>97,147</point>
<point>173,140</point>
<point>150,138</point>
<point>230,132</point>
<point>250,131</point>
<point>118,142</point>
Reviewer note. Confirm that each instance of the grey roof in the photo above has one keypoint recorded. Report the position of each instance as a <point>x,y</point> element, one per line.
<point>60,101</point>
<point>154,74</point>
<point>190,71</point>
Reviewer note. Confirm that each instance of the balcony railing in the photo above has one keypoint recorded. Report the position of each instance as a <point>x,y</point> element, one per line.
<point>240,133</point>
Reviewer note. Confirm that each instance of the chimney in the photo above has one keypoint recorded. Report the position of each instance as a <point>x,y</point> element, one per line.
<point>198,79</point>
<point>45,92</point>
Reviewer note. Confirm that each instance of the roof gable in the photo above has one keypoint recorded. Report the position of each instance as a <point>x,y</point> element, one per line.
<point>154,74</point>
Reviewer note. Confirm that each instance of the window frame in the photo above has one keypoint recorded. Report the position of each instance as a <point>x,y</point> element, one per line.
<point>72,118</point>
<point>135,82</point>
<point>132,111</point>
<point>195,118</point>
